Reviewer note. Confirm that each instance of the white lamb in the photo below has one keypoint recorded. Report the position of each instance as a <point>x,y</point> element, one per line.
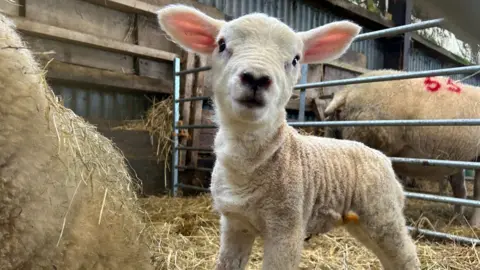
<point>268,180</point>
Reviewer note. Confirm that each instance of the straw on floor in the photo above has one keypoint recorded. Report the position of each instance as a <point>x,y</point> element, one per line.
<point>188,238</point>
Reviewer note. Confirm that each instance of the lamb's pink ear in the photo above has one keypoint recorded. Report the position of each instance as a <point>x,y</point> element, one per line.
<point>189,28</point>
<point>328,42</point>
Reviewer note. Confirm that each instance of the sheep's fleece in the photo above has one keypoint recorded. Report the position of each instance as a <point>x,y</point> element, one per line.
<point>268,180</point>
<point>49,203</point>
<point>412,99</point>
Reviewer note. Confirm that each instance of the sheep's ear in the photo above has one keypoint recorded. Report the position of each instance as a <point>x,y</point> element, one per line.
<point>190,28</point>
<point>328,42</point>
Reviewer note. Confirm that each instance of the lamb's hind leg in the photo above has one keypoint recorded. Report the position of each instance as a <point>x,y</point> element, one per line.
<point>388,238</point>
<point>459,190</point>
<point>236,242</point>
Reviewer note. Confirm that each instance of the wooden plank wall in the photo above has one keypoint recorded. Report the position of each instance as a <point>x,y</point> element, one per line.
<point>118,46</point>
<point>114,46</point>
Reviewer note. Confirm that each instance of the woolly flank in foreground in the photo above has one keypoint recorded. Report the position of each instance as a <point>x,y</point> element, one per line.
<point>67,200</point>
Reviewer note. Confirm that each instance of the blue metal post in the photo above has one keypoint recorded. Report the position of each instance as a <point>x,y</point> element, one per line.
<point>176,117</point>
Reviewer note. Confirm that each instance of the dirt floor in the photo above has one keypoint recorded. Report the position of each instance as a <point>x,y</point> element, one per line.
<point>188,238</point>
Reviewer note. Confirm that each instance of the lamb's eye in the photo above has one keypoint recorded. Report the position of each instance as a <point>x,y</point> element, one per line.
<point>221,45</point>
<point>295,60</point>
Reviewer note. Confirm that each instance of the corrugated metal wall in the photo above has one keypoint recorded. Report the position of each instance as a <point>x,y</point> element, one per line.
<point>108,105</point>
<point>423,59</point>
<point>94,103</point>
<point>300,17</point>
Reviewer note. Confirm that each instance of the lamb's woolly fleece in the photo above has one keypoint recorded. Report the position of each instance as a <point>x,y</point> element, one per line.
<point>316,181</point>
<point>409,99</point>
<point>270,181</point>
<point>53,165</point>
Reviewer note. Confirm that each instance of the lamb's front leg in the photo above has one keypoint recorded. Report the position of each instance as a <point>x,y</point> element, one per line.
<point>236,241</point>
<point>283,247</point>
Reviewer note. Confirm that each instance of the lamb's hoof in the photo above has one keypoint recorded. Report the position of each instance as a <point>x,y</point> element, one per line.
<point>308,238</point>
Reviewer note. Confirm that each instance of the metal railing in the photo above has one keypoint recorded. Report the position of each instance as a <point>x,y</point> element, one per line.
<point>300,123</point>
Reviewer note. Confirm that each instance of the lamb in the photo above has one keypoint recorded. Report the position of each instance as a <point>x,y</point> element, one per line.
<point>57,174</point>
<point>421,98</point>
<point>268,180</point>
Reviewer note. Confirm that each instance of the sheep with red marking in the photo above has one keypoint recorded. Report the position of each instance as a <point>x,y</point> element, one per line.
<point>420,98</point>
<point>268,180</point>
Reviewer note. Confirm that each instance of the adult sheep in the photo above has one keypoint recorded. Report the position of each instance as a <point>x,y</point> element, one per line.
<point>420,98</point>
<point>268,180</point>
<point>67,200</point>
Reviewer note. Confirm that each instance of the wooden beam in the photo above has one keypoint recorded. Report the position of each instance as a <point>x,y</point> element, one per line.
<point>52,32</point>
<point>129,6</point>
<point>294,104</point>
<point>63,72</point>
<point>407,37</point>
<point>347,67</point>
<point>197,109</point>
<point>354,10</point>
<point>437,49</point>
<point>134,6</point>
<point>185,93</point>
<point>394,45</point>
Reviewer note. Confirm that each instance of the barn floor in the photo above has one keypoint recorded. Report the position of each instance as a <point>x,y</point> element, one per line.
<point>188,239</point>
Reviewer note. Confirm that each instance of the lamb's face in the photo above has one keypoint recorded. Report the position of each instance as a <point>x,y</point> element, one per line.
<point>256,58</point>
<point>256,64</point>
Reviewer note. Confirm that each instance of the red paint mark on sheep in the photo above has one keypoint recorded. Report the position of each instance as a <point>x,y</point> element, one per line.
<point>431,84</point>
<point>453,87</point>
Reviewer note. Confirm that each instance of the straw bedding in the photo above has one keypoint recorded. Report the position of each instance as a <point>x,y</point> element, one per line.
<point>67,200</point>
<point>188,235</point>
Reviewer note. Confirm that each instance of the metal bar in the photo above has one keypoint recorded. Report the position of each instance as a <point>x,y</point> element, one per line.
<point>437,162</point>
<point>192,99</point>
<point>442,199</point>
<point>303,79</point>
<point>455,238</point>
<point>394,77</point>
<point>372,35</point>
<point>193,187</point>
<point>202,169</point>
<point>194,149</point>
<point>176,117</point>
<point>192,70</point>
<point>418,122</point>
<point>196,126</point>
<point>326,96</point>
<point>392,31</point>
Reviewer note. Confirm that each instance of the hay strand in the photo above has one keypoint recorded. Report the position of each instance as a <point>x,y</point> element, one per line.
<point>187,230</point>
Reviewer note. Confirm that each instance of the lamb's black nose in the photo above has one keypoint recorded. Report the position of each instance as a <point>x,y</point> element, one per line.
<point>263,82</point>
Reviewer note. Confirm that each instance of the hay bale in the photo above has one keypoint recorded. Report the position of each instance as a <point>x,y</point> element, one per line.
<point>158,123</point>
<point>67,200</point>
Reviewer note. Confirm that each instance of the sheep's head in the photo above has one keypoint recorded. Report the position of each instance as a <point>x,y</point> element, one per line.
<point>255,58</point>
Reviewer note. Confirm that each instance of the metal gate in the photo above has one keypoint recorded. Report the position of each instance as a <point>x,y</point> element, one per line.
<point>300,123</point>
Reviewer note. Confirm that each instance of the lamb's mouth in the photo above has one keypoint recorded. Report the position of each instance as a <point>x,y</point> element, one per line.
<point>252,102</point>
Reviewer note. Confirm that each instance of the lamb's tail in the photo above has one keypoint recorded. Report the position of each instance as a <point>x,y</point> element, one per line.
<point>337,101</point>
